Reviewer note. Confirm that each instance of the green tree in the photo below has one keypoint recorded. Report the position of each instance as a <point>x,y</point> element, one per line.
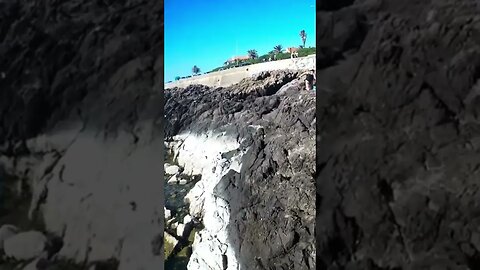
<point>278,49</point>
<point>195,70</point>
<point>177,78</point>
<point>252,54</point>
<point>303,35</point>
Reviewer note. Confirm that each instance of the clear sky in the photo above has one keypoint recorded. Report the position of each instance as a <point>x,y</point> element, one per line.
<point>206,33</point>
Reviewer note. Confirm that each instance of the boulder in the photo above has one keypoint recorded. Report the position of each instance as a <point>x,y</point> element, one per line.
<point>171,169</point>
<point>25,245</point>
<point>6,231</point>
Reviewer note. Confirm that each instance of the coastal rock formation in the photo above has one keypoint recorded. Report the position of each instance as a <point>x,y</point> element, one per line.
<point>262,209</point>
<point>80,130</point>
<point>81,145</point>
<point>398,131</point>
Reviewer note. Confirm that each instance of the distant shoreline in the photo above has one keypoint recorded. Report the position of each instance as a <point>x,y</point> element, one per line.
<point>231,76</point>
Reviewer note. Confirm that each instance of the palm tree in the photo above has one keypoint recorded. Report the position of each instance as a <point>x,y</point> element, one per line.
<point>303,35</point>
<point>252,54</point>
<point>278,49</point>
<point>195,70</point>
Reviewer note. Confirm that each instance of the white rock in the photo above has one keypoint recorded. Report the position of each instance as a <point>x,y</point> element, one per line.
<point>203,155</point>
<point>173,180</point>
<point>171,169</point>
<point>26,245</point>
<point>187,219</point>
<point>180,229</point>
<point>7,231</point>
<point>168,214</point>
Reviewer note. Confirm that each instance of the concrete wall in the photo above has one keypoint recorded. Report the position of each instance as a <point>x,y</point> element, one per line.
<point>232,76</point>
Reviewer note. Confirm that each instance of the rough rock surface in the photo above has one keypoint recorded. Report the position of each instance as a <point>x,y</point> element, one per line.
<point>271,199</point>
<point>398,135</point>
<point>80,116</point>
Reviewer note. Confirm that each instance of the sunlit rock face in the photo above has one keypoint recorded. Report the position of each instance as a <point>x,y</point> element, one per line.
<point>254,144</point>
<point>212,156</point>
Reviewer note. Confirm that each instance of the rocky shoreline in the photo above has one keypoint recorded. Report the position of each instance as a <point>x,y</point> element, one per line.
<point>237,202</point>
<point>82,123</point>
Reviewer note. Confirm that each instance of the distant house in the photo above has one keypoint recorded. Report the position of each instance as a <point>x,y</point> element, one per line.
<point>237,59</point>
<point>293,51</point>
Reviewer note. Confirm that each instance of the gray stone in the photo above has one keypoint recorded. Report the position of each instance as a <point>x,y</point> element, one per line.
<point>6,231</point>
<point>25,245</point>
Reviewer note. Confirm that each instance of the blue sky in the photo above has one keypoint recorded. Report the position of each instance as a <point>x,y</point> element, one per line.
<point>207,33</point>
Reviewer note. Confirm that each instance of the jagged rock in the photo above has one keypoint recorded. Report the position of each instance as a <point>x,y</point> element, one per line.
<point>170,243</point>
<point>397,128</point>
<point>55,113</point>
<point>6,232</point>
<point>168,213</point>
<point>187,219</point>
<point>180,229</point>
<point>291,87</point>
<point>238,161</point>
<point>171,169</point>
<point>173,180</point>
<point>25,245</point>
<point>182,181</point>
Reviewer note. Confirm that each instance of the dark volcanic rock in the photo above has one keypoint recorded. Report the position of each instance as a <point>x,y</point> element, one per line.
<point>55,54</point>
<point>75,77</point>
<point>398,131</point>
<point>271,200</point>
